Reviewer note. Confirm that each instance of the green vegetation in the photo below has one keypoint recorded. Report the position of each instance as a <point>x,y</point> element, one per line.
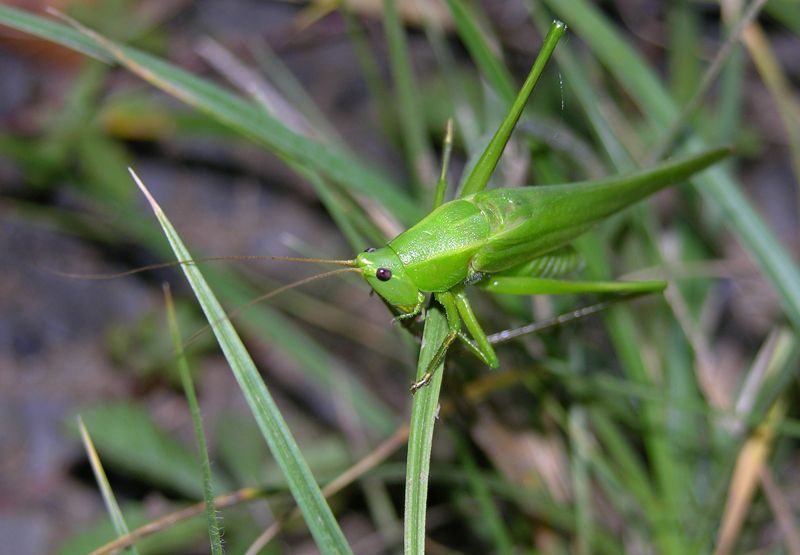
<point>662,424</point>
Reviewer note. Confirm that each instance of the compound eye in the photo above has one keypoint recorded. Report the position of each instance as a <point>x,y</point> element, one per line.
<point>369,249</point>
<point>383,274</point>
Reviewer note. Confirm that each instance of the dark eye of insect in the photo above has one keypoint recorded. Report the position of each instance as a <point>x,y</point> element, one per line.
<point>369,249</point>
<point>383,274</point>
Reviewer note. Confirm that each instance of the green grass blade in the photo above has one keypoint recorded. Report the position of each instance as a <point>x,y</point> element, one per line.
<point>485,166</point>
<point>410,116</point>
<point>50,30</point>
<point>493,70</point>
<point>134,443</point>
<point>243,116</point>
<point>110,500</point>
<point>626,338</point>
<point>580,440</point>
<point>716,185</point>
<point>488,514</point>
<point>423,417</point>
<point>318,516</point>
<point>214,529</point>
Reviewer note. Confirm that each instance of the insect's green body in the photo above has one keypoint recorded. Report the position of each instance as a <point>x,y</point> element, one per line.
<point>512,241</point>
<point>507,240</point>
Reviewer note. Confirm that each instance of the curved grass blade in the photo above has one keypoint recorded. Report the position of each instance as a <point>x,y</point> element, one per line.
<point>120,526</point>
<point>233,111</point>
<point>50,30</point>
<point>214,529</point>
<point>318,516</point>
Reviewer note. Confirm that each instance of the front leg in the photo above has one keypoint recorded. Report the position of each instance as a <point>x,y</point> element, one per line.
<point>447,300</point>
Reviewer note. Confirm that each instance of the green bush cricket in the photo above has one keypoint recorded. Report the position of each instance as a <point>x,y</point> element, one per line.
<point>505,240</point>
<point>510,241</point>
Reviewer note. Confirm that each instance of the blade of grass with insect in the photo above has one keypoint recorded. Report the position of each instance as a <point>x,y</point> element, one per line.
<point>214,528</point>
<point>716,185</point>
<point>533,503</point>
<point>424,406</point>
<point>235,112</point>
<point>423,417</point>
<point>120,526</point>
<point>316,512</point>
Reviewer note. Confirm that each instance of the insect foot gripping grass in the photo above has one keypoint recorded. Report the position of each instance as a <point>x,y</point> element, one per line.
<point>509,241</point>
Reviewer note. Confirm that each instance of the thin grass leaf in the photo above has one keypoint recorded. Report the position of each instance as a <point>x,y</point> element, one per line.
<point>579,435</point>
<point>779,87</point>
<point>50,30</point>
<point>316,512</point>
<point>683,23</point>
<point>110,500</point>
<point>489,515</point>
<point>243,116</point>
<point>290,87</point>
<point>214,528</point>
<point>424,409</point>
<point>495,72</point>
<point>369,65</point>
<point>731,90</point>
<point>626,337</point>
<point>749,464</point>
<point>409,115</point>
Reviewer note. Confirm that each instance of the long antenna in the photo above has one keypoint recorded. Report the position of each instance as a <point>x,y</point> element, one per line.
<point>236,311</point>
<point>160,265</point>
<point>350,263</point>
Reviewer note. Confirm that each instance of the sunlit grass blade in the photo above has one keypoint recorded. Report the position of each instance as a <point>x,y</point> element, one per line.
<point>779,87</point>
<point>109,498</point>
<point>214,528</point>
<point>318,516</point>
<point>749,465</point>
<point>243,116</point>
<point>423,417</point>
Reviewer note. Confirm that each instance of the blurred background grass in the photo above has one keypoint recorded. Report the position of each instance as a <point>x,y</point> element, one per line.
<point>665,427</point>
